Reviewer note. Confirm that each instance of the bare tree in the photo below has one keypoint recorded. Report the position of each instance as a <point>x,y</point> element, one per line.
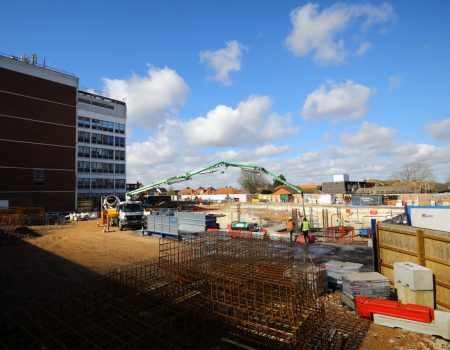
<point>252,181</point>
<point>415,172</point>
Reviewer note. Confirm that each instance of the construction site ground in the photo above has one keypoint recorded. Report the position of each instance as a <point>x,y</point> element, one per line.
<point>48,257</point>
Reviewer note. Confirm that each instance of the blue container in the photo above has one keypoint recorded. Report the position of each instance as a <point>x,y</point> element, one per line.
<point>363,232</point>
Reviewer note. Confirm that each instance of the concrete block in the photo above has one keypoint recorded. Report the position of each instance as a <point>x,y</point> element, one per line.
<point>414,276</point>
<point>442,320</point>
<point>408,296</point>
<point>414,326</point>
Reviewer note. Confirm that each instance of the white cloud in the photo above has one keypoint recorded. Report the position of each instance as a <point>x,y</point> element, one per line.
<point>439,130</point>
<point>224,61</point>
<point>337,101</point>
<point>270,150</point>
<point>394,82</point>
<point>161,149</point>
<point>245,124</point>
<point>228,155</point>
<point>179,144</point>
<point>319,32</point>
<point>363,48</point>
<point>371,137</point>
<point>278,126</point>
<point>150,98</point>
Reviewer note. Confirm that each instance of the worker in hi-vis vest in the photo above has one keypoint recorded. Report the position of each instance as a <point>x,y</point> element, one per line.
<point>290,226</point>
<point>305,229</point>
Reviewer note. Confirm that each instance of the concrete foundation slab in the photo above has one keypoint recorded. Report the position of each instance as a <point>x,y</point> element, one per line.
<point>413,326</point>
<point>442,320</point>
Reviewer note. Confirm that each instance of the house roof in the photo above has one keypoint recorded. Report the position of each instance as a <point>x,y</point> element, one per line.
<point>283,190</point>
<point>186,191</point>
<point>310,186</point>
<point>228,190</point>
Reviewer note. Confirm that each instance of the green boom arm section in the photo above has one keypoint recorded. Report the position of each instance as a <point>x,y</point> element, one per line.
<point>212,169</point>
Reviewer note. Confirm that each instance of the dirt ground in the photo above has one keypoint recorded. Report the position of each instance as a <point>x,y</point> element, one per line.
<point>80,252</point>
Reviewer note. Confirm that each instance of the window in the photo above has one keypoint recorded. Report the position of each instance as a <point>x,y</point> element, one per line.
<point>110,141</point>
<point>84,151</point>
<point>83,167</point>
<point>96,124</point>
<point>97,167</point>
<point>119,155</point>
<point>120,141</point>
<point>84,183</point>
<point>83,136</point>
<point>102,139</point>
<point>102,153</point>
<point>119,128</point>
<point>39,176</point>
<point>102,183</point>
<point>84,122</point>
<point>120,184</point>
<point>120,168</point>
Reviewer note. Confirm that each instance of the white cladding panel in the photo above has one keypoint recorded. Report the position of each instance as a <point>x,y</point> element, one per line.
<point>341,178</point>
<point>431,218</point>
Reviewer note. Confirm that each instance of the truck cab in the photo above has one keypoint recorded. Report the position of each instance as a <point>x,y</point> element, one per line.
<point>131,214</point>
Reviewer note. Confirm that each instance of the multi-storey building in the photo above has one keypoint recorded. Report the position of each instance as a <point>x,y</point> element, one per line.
<point>37,135</point>
<point>101,152</point>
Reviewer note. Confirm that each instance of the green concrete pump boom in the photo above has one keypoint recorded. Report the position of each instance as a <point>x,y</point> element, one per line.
<point>210,169</point>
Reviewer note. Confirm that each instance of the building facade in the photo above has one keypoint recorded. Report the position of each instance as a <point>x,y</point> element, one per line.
<point>101,153</point>
<point>38,117</point>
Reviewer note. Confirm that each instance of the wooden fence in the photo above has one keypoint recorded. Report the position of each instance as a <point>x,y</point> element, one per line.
<point>401,243</point>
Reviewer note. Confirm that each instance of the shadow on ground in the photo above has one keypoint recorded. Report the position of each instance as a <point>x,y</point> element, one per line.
<point>320,253</point>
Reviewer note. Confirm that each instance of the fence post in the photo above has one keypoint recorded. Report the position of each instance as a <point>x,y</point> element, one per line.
<point>375,245</point>
<point>420,248</point>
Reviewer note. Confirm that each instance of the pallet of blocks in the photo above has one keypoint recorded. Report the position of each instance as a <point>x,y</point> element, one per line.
<point>337,269</point>
<point>368,284</point>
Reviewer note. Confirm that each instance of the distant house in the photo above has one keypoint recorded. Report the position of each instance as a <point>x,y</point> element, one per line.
<point>186,191</point>
<point>210,190</point>
<point>283,190</point>
<point>311,188</point>
<point>228,190</point>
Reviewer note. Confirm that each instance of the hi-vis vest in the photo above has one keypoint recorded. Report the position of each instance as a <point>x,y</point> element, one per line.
<point>305,226</point>
<point>290,225</point>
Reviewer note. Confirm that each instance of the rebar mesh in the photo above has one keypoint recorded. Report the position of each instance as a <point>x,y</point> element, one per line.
<point>210,291</point>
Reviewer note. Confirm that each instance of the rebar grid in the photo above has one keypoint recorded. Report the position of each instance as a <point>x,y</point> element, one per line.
<point>196,293</point>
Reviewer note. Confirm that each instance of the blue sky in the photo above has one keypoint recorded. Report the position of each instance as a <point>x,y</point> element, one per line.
<point>307,89</point>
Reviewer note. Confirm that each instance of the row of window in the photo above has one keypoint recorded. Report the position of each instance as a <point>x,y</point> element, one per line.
<point>97,124</point>
<point>84,136</point>
<point>97,167</point>
<point>102,153</point>
<point>86,183</point>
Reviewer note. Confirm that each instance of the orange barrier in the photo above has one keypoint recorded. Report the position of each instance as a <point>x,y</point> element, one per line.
<point>212,230</point>
<point>240,234</point>
<point>301,239</point>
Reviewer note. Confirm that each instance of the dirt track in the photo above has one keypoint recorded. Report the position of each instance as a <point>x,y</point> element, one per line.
<point>71,254</point>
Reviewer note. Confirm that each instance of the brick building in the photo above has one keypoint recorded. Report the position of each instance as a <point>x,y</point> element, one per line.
<point>38,116</point>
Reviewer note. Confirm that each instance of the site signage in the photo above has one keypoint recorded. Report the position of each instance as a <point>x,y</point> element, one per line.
<point>433,218</point>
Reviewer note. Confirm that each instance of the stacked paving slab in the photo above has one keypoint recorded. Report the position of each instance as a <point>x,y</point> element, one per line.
<point>337,269</point>
<point>368,284</point>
